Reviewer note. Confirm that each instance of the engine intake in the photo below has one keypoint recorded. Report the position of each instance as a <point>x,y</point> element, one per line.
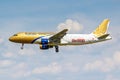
<point>44,41</point>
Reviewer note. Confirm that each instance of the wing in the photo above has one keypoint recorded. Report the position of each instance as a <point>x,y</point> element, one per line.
<point>57,37</point>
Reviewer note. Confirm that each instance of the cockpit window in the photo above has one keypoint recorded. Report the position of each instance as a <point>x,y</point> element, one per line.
<point>15,35</point>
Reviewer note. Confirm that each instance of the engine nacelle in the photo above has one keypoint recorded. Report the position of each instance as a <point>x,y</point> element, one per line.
<point>44,41</point>
<point>44,46</point>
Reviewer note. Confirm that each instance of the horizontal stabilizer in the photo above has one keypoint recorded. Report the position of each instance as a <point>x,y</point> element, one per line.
<point>103,36</point>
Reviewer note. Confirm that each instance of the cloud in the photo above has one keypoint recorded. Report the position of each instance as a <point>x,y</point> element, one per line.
<point>6,63</point>
<point>21,65</point>
<point>71,25</point>
<point>20,70</point>
<point>70,67</point>
<point>1,40</point>
<point>27,51</point>
<point>111,77</point>
<point>106,64</point>
<point>20,73</point>
<point>52,68</point>
<point>55,68</point>
<point>8,55</point>
<point>116,58</point>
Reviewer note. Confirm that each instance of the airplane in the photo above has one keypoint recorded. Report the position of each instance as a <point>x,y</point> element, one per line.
<point>50,40</point>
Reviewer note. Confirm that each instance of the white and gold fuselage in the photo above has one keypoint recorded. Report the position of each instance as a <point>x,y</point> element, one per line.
<point>68,39</point>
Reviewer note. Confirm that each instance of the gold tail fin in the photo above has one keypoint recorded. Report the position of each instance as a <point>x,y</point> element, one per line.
<point>102,28</point>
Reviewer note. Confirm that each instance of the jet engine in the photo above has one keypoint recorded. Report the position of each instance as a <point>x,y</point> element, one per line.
<point>44,44</point>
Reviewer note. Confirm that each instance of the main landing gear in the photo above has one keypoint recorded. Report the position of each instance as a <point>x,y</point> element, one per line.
<point>56,48</point>
<point>22,46</point>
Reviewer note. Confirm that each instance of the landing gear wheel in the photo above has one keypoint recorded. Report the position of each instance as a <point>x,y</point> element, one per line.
<point>56,49</point>
<point>22,46</point>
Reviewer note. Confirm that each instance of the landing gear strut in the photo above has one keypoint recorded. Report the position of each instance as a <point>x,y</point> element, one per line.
<point>22,46</point>
<point>56,49</point>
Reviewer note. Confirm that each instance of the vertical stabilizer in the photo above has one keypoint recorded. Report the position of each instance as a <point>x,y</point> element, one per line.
<point>102,28</point>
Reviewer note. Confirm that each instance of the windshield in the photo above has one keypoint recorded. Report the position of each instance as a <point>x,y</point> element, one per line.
<point>15,35</point>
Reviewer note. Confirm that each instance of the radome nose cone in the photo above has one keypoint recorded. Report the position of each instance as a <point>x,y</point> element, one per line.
<point>10,39</point>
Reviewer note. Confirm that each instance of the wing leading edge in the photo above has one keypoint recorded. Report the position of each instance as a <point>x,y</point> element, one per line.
<point>57,37</point>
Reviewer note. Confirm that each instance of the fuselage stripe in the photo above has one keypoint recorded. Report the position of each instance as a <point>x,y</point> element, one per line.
<point>36,39</point>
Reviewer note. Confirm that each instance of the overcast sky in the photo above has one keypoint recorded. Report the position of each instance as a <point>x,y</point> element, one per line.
<point>99,61</point>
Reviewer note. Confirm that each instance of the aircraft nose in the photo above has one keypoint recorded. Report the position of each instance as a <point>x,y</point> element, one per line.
<point>11,39</point>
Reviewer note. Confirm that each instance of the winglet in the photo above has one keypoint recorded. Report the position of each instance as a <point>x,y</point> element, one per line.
<point>102,28</point>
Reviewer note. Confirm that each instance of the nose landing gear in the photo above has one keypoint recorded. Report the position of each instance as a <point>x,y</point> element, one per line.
<point>56,48</point>
<point>22,46</point>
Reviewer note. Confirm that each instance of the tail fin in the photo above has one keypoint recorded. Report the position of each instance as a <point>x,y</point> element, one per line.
<point>102,28</point>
